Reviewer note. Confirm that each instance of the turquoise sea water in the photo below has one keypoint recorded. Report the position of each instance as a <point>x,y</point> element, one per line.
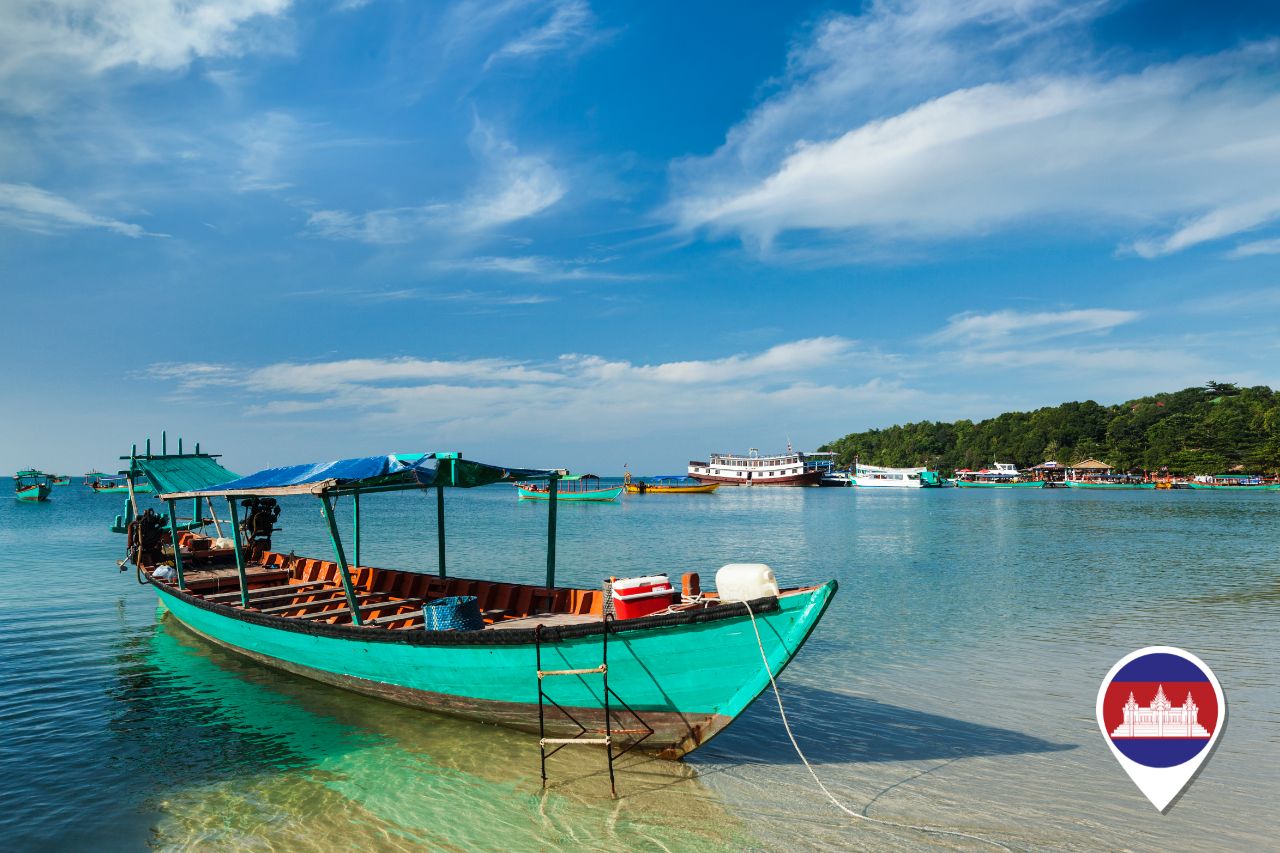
<point>951,684</point>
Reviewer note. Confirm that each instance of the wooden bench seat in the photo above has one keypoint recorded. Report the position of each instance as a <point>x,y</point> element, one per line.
<point>225,596</point>
<point>336,596</point>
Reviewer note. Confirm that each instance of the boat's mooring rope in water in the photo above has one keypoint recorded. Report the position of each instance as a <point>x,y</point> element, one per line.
<point>955,833</point>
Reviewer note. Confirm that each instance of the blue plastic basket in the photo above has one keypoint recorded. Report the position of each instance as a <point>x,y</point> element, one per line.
<point>456,613</point>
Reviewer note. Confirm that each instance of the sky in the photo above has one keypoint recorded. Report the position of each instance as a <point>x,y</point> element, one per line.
<point>570,233</point>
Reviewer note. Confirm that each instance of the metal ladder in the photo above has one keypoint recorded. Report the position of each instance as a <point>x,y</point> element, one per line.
<point>580,738</point>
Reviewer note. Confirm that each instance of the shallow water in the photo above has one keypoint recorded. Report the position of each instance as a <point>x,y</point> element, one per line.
<point>951,684</point>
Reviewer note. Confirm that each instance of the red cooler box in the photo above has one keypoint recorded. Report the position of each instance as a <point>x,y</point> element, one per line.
<point>636,597</point>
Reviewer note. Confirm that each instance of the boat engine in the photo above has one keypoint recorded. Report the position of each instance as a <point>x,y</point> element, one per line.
<point>146,538</point>
<point>259,523</point>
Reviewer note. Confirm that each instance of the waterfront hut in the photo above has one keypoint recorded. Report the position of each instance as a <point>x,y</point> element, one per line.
<point>1049,472</point>
<point>1089,469</point>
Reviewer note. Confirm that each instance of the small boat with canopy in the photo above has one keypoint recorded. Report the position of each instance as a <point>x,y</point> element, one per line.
<point>667,485</point>
<point>667,679</point>
<point>32,485</point>
<point>572,487</point>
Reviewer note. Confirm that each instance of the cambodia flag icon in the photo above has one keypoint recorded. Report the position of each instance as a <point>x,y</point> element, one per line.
<point>1161,711</point>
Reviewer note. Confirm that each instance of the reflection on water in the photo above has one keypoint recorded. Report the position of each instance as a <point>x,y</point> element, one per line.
<point>951,684</point>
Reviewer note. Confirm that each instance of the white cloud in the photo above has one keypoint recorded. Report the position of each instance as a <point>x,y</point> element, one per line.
<point>512,186</point>
<point>517,398</point>
<point>1257,247</point>
<point>266,141</point>
<point>46,45</point>
<point>566,25</point>
<point>1000,328</point>
<point>33,209</point>
<point>926,136</point>
<point>542,268</point>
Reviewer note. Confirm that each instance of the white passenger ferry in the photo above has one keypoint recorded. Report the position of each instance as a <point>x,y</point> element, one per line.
<point>785,469</point>
<point>876,477</point>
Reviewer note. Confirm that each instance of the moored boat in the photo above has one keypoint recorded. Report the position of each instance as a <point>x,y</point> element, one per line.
<point>31,485</point>
<point>783,469</point>
<point>876,477</point>
<point>1231,483</point>
<point>679,674</point>
<point>666,485</point>
<point>117,485</point>
<point>581,487</point>
<point>1116,484</point>
<point>1003,476</point>
<point>59,480</point>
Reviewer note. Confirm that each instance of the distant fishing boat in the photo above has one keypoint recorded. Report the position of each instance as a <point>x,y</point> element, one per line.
<point>31,485</point>
<point>118,485</point>
<point>579,487</point>
<point>1003,476</point>
<point>658,671</point>
<point>1231,483</point>
<point>783,469</point>
<point>59,479</point>
<point>876,477</point>
<point>667,485</point>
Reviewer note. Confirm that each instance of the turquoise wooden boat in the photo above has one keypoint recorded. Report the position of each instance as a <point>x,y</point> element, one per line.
<point>678,676</point>
<point>988,484</point>
<point>118,485</point>
<point>1218,487</point>
<point>582,487</point>
<point>1103,486</point>
<point>31,485</point>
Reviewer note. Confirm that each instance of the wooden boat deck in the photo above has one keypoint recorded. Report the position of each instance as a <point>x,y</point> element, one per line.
<point>310,589</point>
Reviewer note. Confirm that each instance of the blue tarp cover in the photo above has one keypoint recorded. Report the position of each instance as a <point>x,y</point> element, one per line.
<point>403,471</point>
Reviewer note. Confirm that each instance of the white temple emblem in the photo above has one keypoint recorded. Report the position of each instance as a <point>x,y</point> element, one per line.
<point>1161,719</point>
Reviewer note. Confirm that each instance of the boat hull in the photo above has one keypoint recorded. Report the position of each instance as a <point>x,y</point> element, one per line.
<point>1209,487</point>
<point>1108,487</point>
<point>609,494</point>
<point>704,488</point>
<point>122,490</point>
<point>32,494</point>
<point>687,676</point>
<point>808,478</point>
<point>971,484</point>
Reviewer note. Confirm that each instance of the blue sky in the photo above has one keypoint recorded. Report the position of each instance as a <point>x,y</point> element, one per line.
<point>571,233</point>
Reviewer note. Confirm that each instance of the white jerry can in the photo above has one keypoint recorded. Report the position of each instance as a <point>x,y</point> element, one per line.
<point>746,582</point>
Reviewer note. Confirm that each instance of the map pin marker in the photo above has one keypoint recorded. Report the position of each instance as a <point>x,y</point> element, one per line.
<point>1161,711</point>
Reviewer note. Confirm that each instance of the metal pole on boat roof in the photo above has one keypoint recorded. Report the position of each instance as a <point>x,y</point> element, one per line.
<point>552,483</point>
<point>177,550</point>
<point>340,556</point>
<point>440,525</point>
<point>355,527</point>
<point>235,538</point>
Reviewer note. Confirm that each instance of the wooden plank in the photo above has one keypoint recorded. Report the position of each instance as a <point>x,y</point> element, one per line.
<point>332,599</point>
<point>387,620</point>
<point>288,596</point>
<point>221,596</point>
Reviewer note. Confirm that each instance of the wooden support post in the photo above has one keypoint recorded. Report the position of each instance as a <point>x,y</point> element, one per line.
<point>340,556</point>
<point>216,525</point>
<point>552,483</point>
<point>355,527</point>
<point>177,549</point>
<point>235,538</point>
<point>195,511</point>
<point>440,525</point>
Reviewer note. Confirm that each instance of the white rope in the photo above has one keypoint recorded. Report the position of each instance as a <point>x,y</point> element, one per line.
<point>786,725</point>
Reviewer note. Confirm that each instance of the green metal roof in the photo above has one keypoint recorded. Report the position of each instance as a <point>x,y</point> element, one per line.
<point>183,473</point>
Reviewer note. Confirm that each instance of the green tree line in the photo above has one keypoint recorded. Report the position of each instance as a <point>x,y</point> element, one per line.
<point>1213,429</point>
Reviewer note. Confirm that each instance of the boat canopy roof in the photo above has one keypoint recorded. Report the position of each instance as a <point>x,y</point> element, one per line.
<point>182,473</point>
<point>365,474</point>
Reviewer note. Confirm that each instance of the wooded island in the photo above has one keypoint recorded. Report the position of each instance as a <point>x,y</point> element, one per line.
<point>1215,428</point>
